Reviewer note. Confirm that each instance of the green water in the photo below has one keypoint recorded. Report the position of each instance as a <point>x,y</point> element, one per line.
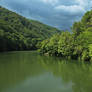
<point>31,72</point>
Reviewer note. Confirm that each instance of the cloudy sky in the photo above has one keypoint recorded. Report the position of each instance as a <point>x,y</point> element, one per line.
<point>57,13</point>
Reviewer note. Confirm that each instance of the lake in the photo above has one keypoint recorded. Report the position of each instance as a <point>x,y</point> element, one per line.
<point>30,72</point>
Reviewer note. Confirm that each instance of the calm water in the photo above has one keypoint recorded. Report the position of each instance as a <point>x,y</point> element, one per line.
<point>30,72</point>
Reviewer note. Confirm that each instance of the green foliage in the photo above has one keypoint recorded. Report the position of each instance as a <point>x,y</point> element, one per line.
<point>77,28</point>
<point>19,33</point>
<point>65,44</point>
<point>90,50</point>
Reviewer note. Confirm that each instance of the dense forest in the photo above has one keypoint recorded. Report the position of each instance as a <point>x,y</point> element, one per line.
<point>20,33</point>
<point>76,44</point>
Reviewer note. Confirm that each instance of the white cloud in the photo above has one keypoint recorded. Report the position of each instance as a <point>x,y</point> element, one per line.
<point>52,2</point>
<point>81,2</point>
<point>84,3</point>
<point>71,8</point>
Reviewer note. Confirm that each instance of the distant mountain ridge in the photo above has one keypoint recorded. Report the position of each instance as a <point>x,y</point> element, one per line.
<point>20,33</point>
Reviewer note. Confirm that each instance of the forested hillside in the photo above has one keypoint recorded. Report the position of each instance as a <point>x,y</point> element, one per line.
<point>75,45</point>
<point>19,33</point>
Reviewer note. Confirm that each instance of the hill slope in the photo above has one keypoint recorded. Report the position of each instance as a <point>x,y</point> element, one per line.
<point>19,33</point>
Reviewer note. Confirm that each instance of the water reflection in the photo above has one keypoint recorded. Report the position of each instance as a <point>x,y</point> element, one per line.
<point>79,73</point>
<point>16,67</point>
<point>31,72</point>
